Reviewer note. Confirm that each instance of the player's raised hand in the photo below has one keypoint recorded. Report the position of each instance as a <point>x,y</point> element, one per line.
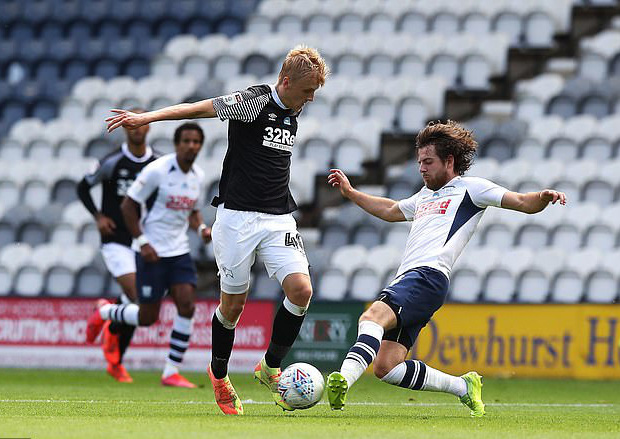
<point>126,119</point>
<point>337,178</point>
<point>551,196</point>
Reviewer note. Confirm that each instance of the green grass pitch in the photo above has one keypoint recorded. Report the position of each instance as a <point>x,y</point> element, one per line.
<point>88,404</point>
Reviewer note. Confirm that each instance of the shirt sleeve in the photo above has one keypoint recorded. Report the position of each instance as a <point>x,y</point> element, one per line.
<point>243,106</point>
<point>101,171</point>
<point>145,184</point>
<point>408,206</point>
<point>485,193</point>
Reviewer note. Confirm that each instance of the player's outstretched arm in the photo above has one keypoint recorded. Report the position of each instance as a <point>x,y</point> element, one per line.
<point>130,120</point>
<point>383,208</point>
<point>532,202</point>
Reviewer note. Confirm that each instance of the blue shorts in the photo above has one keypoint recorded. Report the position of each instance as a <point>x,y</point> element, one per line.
<point>154,280</point>
<point>414,296</point>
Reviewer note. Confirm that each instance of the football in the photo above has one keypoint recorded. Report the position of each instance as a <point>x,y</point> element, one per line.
<point>301,385</point>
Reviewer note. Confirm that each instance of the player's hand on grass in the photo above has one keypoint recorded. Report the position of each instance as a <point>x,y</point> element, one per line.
<point>149,254</point>
<point>105,224</point>
<point>125,119</point>
<point>337,178</point>
<point>551,196</point>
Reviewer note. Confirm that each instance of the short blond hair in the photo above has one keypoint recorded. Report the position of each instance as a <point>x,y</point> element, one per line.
<point>302,61</point>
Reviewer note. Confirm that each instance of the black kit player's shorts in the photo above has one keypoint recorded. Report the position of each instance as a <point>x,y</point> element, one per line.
<point>414,296</point>
<point>154,280</point>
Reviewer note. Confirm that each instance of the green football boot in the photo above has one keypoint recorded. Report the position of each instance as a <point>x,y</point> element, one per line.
<point>473,398</point>
<point>270,377</point>
<point>337,387</point>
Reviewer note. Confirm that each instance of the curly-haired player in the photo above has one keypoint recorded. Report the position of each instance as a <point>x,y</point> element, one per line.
<point>444,215</point>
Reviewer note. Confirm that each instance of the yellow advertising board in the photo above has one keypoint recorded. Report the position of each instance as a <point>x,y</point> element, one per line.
<point>563,341</point>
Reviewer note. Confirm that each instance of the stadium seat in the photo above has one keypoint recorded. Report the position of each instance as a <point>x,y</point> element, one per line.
<point>263,287</point>
<point>59,281</point>
<point>332,285</point>
<point>538,30</point>
<point>90,282</point>
<point>6,281</point>
<point>32,233</point>
<point>499,285</point>
<point>15,255</point>
<point>601,287</point>
<point>28,281</point>
<point>365,284</point>
<point>533,286</point>
<point>465,285</point>
<point>349,258</point>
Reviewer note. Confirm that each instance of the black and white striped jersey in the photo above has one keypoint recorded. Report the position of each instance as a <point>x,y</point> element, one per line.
<point>261,135</point>
<point>116,172</point>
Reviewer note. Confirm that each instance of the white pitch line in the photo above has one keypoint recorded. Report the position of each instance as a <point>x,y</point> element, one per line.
<point>251,402</point>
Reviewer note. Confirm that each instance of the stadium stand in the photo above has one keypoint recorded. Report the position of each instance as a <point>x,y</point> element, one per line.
<point>67,63</point>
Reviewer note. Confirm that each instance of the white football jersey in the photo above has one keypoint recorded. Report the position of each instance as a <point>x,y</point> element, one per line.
<point>176,194</point>
<point>443,221</point>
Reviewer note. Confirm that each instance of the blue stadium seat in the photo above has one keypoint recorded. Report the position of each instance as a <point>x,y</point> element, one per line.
<point>168,28</point>
<point>109,30</point>
<point>32,233</point>
<point>257,65</point>
<point>11,10</point>
<point>94,10</point>
<point>21,31</point>
<point>137,67</point>
<point>32,50</point>
<point>562,105</point>
<point>90,49</point>
<point>78,30</point>
<point>61,50</point>
<point>13,110</point>
<point>44,109</point>
<point>121,50</point>
<point>66,10</point>
<point>230,26</point>
<point>64,191</point>
<point>123,10</point>
<point>138,30</point>
<point>215,10</point>
<point>74,69</point>
<point>154,10</point>
<point>182,10</point>
<point>595,105</point>
<point>50,30</point>
<point>47,70</point>
<point>91,281</point>
<point>199,27</point>
<point>8,233</point>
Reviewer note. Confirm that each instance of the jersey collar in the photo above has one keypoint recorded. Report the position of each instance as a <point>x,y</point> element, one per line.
<point>147,155</point>
<point>274,95</point>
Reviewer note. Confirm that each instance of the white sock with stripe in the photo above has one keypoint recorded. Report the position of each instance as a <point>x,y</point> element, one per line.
<point>179,341</point>
<point>415,375</point>
<point>363,352</point>
<point>125,313</point>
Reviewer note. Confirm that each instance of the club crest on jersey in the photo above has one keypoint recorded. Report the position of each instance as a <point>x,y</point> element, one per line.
<point>232,99</point>
<point>123,172</point>
<point>272,116</point>
<point>287,120</point>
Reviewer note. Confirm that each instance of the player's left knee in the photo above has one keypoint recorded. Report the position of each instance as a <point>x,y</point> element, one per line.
<point>186,309</point>
<point>381,369</point>
<point>301,295</point>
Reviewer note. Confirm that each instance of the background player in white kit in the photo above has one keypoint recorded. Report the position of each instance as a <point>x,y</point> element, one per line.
<point>170,188</point>
<point>444,216</point>
<point>254,210</point>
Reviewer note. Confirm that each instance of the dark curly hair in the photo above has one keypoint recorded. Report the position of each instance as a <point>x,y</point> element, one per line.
<point>449,138</point>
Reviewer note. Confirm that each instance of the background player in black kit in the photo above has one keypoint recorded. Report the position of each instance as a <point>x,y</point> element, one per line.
<point>115,173</point>
<point>254,209</point>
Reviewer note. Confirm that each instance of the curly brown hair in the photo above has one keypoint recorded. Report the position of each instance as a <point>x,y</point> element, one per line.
<point>449,138</point>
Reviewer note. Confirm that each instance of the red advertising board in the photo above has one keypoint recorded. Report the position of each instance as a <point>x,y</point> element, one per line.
<point>51,333</point>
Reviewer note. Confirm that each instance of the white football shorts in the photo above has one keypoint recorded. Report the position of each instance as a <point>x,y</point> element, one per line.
<point>118,258</point>
<point>239,235</point>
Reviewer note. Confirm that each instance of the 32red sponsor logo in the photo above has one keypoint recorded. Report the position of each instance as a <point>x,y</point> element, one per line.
<point>433,207</point>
